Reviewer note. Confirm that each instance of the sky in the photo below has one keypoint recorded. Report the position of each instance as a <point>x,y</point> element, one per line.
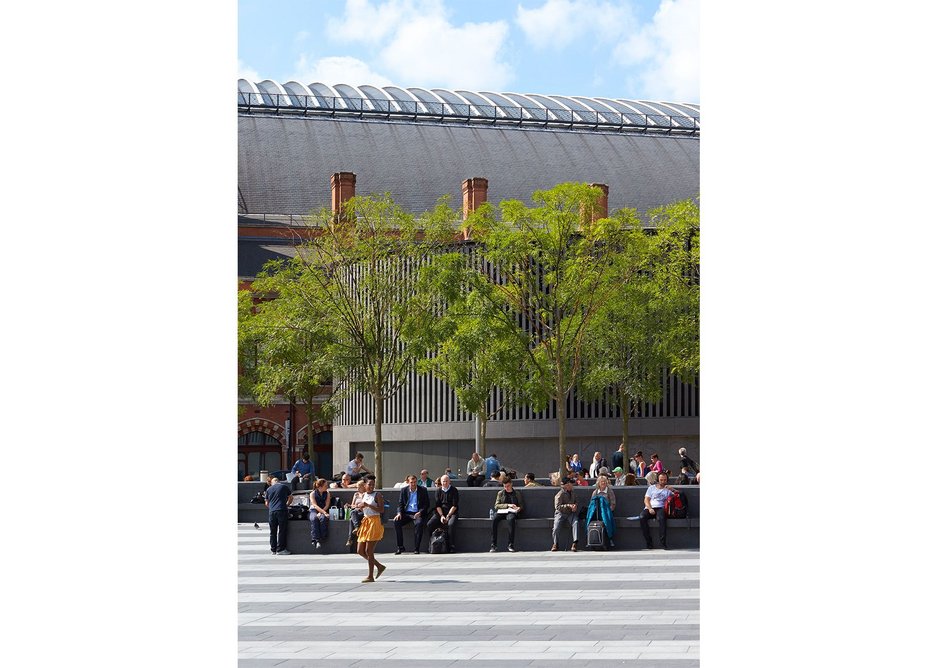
<point>630,49</point>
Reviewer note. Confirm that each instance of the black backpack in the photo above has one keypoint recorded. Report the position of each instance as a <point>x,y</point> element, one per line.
<point>676,505</point>
<point>439,542</point>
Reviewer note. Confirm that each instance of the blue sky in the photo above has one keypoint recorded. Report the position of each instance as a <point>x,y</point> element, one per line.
<point>637,49</point>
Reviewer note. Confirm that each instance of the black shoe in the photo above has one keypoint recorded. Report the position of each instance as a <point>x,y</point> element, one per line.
<point>649,547</point>
<point>511,548</point>
<point>451,549</point>
<point>399,550</point>
<point>493,549</point>
<point>416,551</point>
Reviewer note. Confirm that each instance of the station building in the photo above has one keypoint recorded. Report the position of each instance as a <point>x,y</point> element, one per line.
<point>302,148</point>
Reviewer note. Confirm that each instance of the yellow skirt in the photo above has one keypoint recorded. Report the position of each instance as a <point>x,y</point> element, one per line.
<point>370,529</point>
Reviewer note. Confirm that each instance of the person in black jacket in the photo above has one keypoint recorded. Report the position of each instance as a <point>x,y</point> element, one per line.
<point>446,512</point>
<point>412,507</point>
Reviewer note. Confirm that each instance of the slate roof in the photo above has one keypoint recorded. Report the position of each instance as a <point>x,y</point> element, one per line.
<point>284,163</point>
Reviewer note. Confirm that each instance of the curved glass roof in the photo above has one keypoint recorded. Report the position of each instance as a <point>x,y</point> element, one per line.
<point>438,104</point>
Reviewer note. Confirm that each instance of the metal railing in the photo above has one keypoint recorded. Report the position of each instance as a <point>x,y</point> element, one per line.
<point>470,113</point>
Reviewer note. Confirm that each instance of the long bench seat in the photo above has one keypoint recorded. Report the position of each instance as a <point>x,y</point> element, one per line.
<point>473,533</point>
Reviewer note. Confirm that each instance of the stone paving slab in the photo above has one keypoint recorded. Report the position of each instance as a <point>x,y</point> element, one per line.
<point>637,608</point>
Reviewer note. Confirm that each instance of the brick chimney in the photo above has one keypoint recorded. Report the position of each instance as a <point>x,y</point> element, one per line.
<point>601,207</point>
<point>474,194</point>
<point>343,189</point>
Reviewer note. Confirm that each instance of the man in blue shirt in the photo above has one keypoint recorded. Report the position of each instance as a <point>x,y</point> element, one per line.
<point>492,465</point>
<point>277,498</point>
<point>654,501</point>
<point>303,469</point>
<point>412,507</point>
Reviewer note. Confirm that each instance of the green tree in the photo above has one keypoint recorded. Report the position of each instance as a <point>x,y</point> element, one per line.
<point>282,343</point>
<point>474,351</point>
<point>356,280</point>
<point>547,271</point>
<point>650,325</point>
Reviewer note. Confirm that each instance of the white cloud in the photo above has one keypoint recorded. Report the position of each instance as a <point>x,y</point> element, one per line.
<point>367,22</point>
<point>335,70</point>
<point>414,41</point>
<point>559,23</point>
<point>429,51</point>
<point>247,72</point>
<point>669,46</point>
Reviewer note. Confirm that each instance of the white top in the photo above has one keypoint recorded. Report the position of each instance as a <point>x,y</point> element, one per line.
<point>369,499</point>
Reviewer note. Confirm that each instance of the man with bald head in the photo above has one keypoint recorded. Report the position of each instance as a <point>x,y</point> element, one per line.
<point>446,512</point>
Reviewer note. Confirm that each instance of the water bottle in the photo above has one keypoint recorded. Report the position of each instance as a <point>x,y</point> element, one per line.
<point>491,513</point>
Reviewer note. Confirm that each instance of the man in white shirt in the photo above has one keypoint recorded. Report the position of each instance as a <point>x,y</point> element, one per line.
<point>654,501</point>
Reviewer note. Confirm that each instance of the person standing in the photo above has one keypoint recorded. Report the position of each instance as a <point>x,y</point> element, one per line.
<point>371,530</point>
<point>475,471</point>
<point>303,470</point>
<point>319,502</point>
<point>654,500</point>
<point>640,466</point>
<point>277,498</point>
<point>446,512</point>
<point>598,461</point>
<point>618,458</point>
<point>508,505</point>
<point>687,461</point>
<point>565,510</point>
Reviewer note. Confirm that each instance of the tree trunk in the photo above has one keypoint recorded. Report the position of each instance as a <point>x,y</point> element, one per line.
<point>378,443</point>
<point>482,435</point>
<point>561,418</point>
<point>623,401</point>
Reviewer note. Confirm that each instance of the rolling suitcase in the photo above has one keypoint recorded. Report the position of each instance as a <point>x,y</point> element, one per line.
<point>595,535</point>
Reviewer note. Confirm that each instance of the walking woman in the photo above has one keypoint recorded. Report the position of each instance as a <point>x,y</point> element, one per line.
<point>371,529</point>
<point>320,500</point>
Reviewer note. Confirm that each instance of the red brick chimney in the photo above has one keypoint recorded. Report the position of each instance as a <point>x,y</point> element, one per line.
<point>601,207</point>
<point>343,189</point>
<point>474,194</point>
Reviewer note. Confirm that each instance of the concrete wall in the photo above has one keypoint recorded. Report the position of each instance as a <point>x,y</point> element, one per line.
<point>522,445</point>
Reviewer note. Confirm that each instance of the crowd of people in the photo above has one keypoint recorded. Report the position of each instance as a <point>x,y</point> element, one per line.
<point>433,504</point>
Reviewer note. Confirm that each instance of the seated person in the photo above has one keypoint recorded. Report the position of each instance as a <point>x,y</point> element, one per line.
<point>475,471</point>
<point>356,468</point>
<point>412,506</point>
<point>508,505</point>
<point>495,480</point>
<point>356,515</point>
<point>530,480</point>
<point>604,492</point>
<point>565,511</point>
<point>425,480</point>
<point>302,471</point>
<point>446,511</point>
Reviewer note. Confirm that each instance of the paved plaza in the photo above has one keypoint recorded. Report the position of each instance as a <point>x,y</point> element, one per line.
<point>634,608</point>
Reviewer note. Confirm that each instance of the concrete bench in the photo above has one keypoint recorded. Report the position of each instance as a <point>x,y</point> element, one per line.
<point>473,533</point>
